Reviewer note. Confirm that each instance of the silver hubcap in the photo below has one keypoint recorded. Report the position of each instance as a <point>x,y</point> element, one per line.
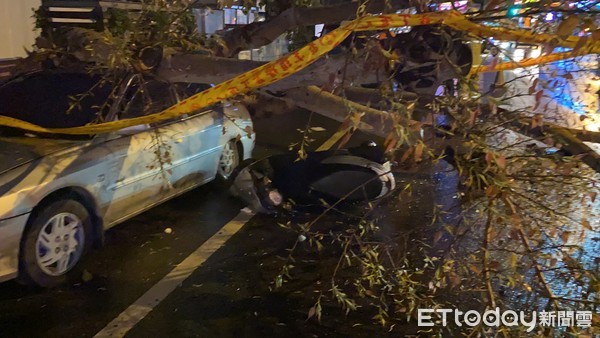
<point>229,160</point>
<point>60,244</point>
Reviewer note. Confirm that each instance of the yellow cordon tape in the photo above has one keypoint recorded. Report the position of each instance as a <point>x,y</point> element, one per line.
<point>529,62</point>
<point>294,62</point>
<point>525,36</point>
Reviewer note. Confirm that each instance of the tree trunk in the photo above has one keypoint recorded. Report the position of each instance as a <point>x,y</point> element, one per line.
<point>583,135</point>
<point>328,71</point>
<point>261,33</point>
<point>194,68</point>
<point>321,102</point>
<point>563,136</point>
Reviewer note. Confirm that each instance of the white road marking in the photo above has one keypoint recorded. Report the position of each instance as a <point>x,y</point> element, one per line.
<point>138,310</point>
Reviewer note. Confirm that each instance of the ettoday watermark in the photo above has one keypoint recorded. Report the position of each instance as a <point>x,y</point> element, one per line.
<point>496,318</point>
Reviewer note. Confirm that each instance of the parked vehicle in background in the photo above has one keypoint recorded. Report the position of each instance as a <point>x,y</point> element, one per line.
<point>59,193</point>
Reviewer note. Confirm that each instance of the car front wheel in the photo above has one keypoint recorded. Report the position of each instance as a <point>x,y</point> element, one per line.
<point>56,239</point>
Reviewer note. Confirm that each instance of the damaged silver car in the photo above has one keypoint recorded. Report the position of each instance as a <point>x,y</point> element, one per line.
<point>58,194</point>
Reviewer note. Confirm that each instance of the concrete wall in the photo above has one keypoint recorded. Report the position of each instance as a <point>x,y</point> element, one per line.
<point>16,27</point>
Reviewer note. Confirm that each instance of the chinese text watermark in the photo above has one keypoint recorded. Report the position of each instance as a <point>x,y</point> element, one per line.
<point>495,318</point>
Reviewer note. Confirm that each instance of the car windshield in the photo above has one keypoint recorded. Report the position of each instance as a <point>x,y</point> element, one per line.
<point>54,100</point>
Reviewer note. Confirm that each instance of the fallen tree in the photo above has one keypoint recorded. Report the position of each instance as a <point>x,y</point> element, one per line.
<point>385,84</point>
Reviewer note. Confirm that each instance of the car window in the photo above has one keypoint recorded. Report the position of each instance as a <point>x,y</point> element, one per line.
<point>56,100</point>
<point>185,90</point>
<point>144,97</point>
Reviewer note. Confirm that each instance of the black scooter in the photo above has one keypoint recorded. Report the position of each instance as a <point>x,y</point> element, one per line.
<point>343,176</point>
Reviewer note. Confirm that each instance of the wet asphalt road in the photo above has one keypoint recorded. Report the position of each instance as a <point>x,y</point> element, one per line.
<point>138,253</point>
<point>227,296</point>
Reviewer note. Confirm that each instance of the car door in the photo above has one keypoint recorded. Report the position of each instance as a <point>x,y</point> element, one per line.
<point>141,156</point>
<point>196,145</point>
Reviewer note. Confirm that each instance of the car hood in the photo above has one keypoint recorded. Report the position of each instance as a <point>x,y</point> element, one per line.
<point>17,151</point>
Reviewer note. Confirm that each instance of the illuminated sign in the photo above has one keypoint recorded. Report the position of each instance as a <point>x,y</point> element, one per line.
<point>459,5</point>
